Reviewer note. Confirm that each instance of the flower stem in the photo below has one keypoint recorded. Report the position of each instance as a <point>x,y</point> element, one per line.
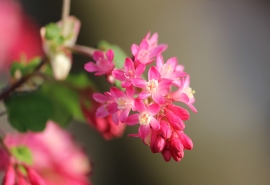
<point>65,14</point>
<point>84,50</point>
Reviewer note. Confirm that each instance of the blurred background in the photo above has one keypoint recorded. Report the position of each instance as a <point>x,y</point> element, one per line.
<point>225,47</point>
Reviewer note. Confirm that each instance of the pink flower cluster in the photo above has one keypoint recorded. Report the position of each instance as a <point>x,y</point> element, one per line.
<point>148,103</point>
<point>55,159</point>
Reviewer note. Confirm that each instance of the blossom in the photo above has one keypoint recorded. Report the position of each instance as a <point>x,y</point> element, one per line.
<point>49,149</point>
<point>155,87</point>
<point>129,72</point>
<point>116,103</point>
<point>184,94</point>
<point>104,63</point>
<point>147,50</point>
<point>146,118</point>
<point>170,70</point>
<point>103,125</point>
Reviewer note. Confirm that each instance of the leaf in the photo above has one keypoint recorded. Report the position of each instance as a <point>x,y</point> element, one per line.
<point>22,154</point>
<point>65,97</point>
<point>23,67</point>
<point>119,54</point>
<point>52,31</point>
<point>28,111</point>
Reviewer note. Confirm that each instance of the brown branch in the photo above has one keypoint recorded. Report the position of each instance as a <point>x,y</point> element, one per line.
<point>9,89</point>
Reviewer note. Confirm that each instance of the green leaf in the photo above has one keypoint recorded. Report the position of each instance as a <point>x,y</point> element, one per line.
<point>24,68</point>
<point>119,54</point>
<point>65,97</point>
<point>52,31</point>
<point>28,111</point>
<point>22,154</point>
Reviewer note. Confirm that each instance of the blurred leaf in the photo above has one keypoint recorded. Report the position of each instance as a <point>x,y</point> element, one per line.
<point>65,97</point>
<point>28,111</point>
<point>22,154</point>
<point>52,31</point>
<point>24,68</point>
<point>119,54</point>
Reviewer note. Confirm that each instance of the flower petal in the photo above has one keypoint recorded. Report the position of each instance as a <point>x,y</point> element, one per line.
<point>144,131</point>
<point>159,62</point>
<point>154,124</point>
<point>154,109</point>
<point>110,55</point>
<point>112,108</point>
<point>134,49</point>
<point>101,98</point>
<point>139,105</point>
<point>101,112</point>
<point>153,73</point>
<point>124,114</point>
<point>133,119</point>
<point>117,93</point>
<point>138,82</point>
<point>158,98</point>
<point>119,74</point>
<point>91,67</point>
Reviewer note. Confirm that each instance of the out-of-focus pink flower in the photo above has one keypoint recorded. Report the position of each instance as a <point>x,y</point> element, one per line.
<point>104,63</point>
<point>103,124</point>
<point>19,35</point>
<point>55,157</point>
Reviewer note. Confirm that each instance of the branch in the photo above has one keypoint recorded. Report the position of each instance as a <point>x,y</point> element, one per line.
<point>65,14</point>
<point>9,89</point>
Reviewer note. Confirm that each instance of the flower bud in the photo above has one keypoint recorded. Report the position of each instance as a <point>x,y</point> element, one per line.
<point>10,176</point>
<point>34,177</point>
<point>174,120</point>
<point>185,140</point>
<point>179,111</point>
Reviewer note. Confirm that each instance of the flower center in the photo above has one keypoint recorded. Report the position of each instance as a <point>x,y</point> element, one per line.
<point>144,119</point>
<point>122,103</point>
<point>152,86</point>
<point>129,74</point>
<point>189,92</point>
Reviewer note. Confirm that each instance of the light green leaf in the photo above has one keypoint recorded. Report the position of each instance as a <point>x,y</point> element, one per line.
<point>22,154</point>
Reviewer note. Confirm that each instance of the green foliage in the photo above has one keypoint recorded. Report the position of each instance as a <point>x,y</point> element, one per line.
<point>28,111</point>
<point>53,33</point>
<point>119,54</point>
<point>22,154</point>
<point>54,100</point>
<point>24,68</point>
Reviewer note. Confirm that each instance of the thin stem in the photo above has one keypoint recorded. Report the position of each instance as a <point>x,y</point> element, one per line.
<point>9,89</point>
<point>65,14</point>
<point>84,50</point>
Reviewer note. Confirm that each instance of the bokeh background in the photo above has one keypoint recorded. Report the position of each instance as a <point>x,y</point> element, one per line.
<point>225,47</point>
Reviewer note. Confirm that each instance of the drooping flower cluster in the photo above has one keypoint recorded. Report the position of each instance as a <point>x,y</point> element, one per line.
<point>148,102</point>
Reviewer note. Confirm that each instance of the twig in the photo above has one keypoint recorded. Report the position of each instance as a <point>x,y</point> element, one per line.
<point>88,51</point>
<point>9,89</point>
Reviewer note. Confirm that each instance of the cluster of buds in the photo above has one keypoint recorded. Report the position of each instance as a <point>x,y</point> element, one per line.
<point>148,103</point>
<point>21,174</point>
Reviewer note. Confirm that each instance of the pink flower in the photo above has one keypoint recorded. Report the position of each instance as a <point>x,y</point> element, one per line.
<point>49,149</point>
<point>104,125</point>
<point>184,94</point>
<point>153,41</point>
<point>146,118</point>
<point>104,63</point>
<point>19,35</point>
<point>129,72</point>
<point>116,103</point>
<point>169,70</point>
<point>155,87</point>
<point>147,50</point>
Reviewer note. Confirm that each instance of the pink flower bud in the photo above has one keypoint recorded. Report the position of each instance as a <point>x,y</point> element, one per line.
<point>174,120</point>
<point>166,153</point>
<point>34,177</point>
<point>186,141</point>
<point>179,111</point>
<point>157,142</point>
<point>10,176</point>
<point>21,179</point>
<point>177,148</point>
<point>165,130</point>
